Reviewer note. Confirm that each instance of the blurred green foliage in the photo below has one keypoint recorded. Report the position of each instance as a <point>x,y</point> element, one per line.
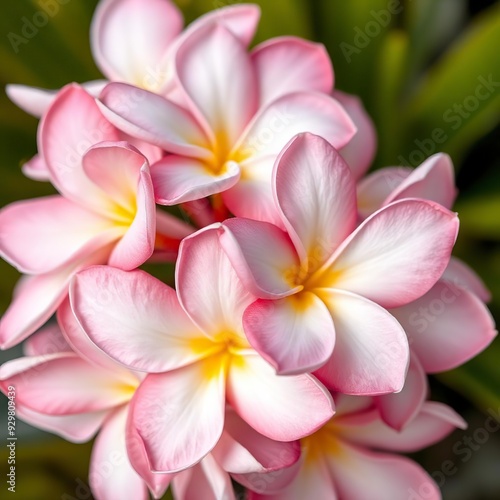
<point>417,66</point>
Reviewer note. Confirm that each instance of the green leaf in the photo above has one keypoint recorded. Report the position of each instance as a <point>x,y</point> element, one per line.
<point>354,33</point>
<point>392,59</point>
<point>461,92</point>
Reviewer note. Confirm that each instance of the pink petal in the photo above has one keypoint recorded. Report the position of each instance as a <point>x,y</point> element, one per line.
<point>33,100</point>
<point>462,275</point>
<point>177,179</point>
<point>360,152</point>
<point>263,256</point>
<point>276,124</point>
<point>136,451</point>
<point>36,169</point>
<point>283,408</point>
<point>206,480</point>
<point>447,326</point>
<point>376,187</point>
<point>289,64</point>
<point>134,318</point>
<point>138,243</point>
<point>312,480</point>
<point>253,194</point>
<point>115,167</point>
<point>153,119</point>
<point>44,234</point>
<point>71,126</point>
<point>63,384</point>
<point>398,409</point>
<point>433,423</point>
<point>215,71</point>
<point>405,245</point>
<point>384,476</point>
<point>38,298</point>
<point>111,475</point>
<point>241,20</point>
<point>131,37</point>
<point>243,451</point>
<point>371,353</point>
<point>294,334</point>
<point>78,428</point>
<point>36,101</point>
<point>434,180</point>
<point>317,197</point>
<point>48,340</point>
<point>81,343</point>
<point>269,132</point>
<point>208,287</point>
<point>32,307</point>
<point>179,415</point>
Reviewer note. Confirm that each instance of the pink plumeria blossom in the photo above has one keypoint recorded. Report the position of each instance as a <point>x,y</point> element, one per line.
<point>448,325</point>
<point>239,112</point>
<point>351,457</point>
<point>196,354</point>
<point>105,212</point>
<point>68,386</point>
<point>320,284</point>
<point>134,41</point>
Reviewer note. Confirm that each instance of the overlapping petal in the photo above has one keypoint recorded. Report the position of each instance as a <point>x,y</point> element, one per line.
<point>208,287</point>
<point>179,415</point>
<point>398,409</point>
<point>405,245</point>
<point>111,474</point>
<point>371,352</point>
<point>284,408</point>
<point>263,256</point>
<point>130,39</point>
<point>316,195</point>
<point>64,384</point>
<point>179,179</point>
<point>151,334</point>
<point>70,127</point>
<point>447,326</point>
<point>295,334</point>
<point>215,71</point>
<point>44,234</point>
<point>289,64</point>
<point>154,119</point>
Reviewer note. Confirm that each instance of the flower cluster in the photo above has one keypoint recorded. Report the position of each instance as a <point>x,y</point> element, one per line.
<point>292,355</point>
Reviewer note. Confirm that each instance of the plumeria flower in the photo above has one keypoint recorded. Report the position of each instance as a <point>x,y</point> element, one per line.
<point>240,111</point>
<point>105,213</point>
<point>66,385</point>
<point>448,325</point>
<point>196,355</point>
<point>134,41</point>
<point>326,283</point>
<point>352,456</point>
